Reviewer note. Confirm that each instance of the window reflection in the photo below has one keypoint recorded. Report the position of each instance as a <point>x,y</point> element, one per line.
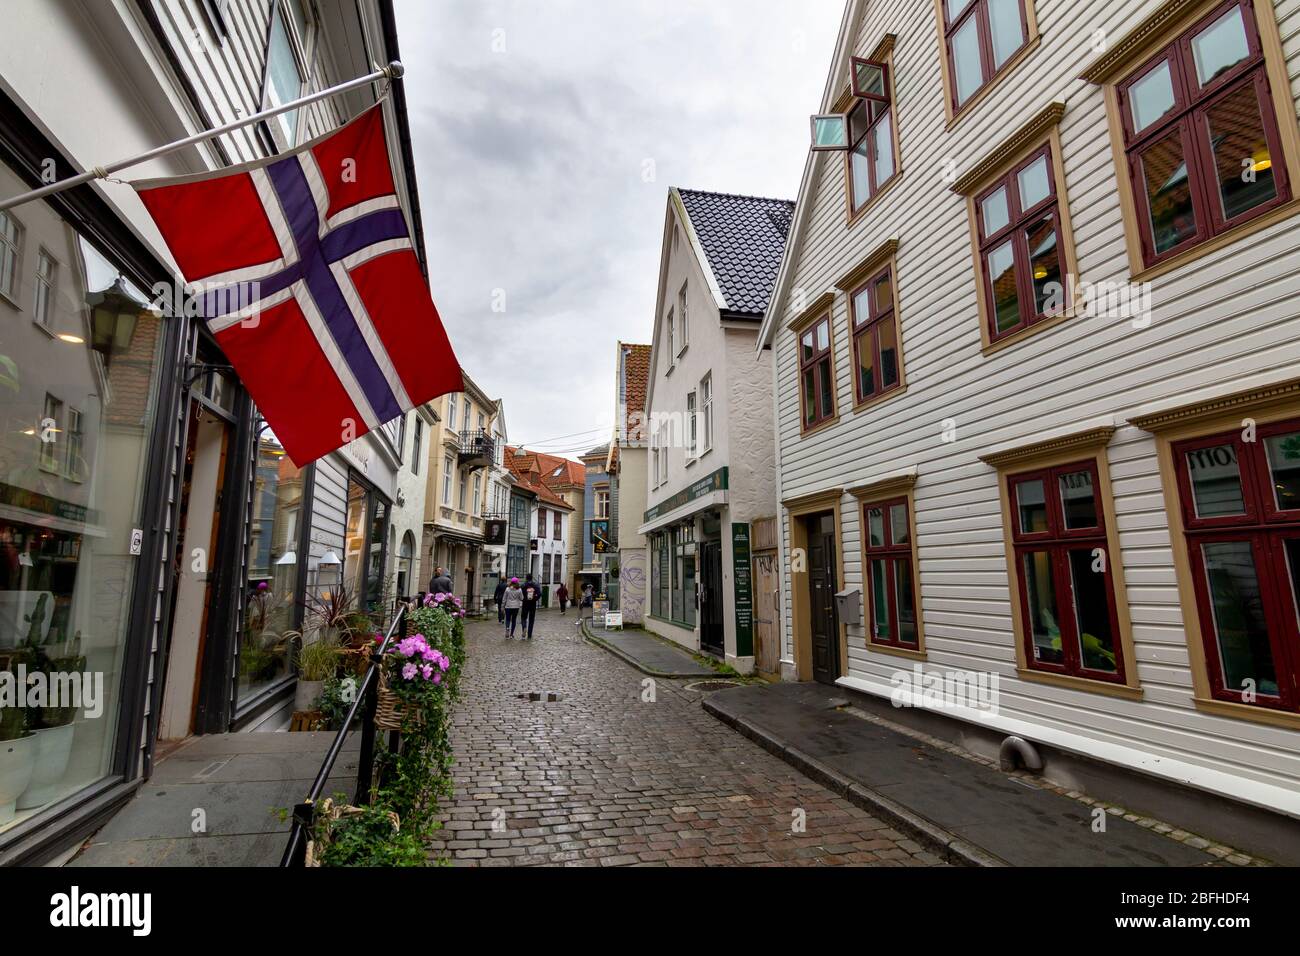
<point>273,568</point>
<point>78,360</point>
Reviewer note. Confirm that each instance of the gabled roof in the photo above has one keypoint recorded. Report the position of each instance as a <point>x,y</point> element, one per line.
<point>743,238</point>
<point>555,472</point>
<point>526,468</point>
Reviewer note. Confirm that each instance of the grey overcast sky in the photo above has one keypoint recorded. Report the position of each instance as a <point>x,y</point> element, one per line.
<point>536,125</point>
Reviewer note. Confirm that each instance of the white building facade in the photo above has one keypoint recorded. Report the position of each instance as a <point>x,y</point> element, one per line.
<point>1036,338</point>
<point>711,461</point>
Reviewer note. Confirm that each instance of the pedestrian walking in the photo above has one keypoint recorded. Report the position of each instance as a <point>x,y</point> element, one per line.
<point>528,614</point>
<point>562,595</point>
<point>497,595</point>
<point>440,583</point>
<point>512,601</point>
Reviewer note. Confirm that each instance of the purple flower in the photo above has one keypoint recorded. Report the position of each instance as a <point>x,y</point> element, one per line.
<point>409,671</point>
<point>427,671</point>
<point>261,585</point>
<point>437,678</point>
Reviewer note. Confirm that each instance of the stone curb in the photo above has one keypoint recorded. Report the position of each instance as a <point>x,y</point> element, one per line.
<point>632,661</point>
<point>947,845</point>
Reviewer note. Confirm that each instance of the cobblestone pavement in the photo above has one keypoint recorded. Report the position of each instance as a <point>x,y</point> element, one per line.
<point>602,778</point>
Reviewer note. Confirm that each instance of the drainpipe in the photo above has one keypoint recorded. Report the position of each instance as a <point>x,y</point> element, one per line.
<point>1014,747</point>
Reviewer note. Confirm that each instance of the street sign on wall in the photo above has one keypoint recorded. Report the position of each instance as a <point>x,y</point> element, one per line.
<point>494,531</point>
<point>743,588</point>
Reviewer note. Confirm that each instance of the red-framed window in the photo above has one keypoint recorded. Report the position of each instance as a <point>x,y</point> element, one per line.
<point>816,373</point>
<point>558,528</point>
<point>1201,136</point>
<point>877,355</point>
<point>891,584</point>
<point>870,132</point>
<point>980,37</point>
<point>1019,222</point>
<point>1241,518</point>
<point>541,522</point>
<point>1063,564</point>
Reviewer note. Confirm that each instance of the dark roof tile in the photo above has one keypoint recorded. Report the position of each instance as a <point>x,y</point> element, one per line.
<point>744,239</point>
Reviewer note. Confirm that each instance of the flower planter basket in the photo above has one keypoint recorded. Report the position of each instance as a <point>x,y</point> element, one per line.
<point>391,709</point>
<point>328,810</point>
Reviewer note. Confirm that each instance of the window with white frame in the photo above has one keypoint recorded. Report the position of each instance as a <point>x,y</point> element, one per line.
<point>681,318</point>
<point>49,433</point>
<point>602,503</point>
<point>462,489</point>
<point>446,479</point>
<point>287,63</point>
<point>706,409</point>
<point>46,272</point>
<point>417,445</point>
<point>74,467</point>
<point>10,244</point>
<point>478,488</point>
<point>654,461</point>
<point>672,351</point>
<point>691,424</point>
<point>451,411</point>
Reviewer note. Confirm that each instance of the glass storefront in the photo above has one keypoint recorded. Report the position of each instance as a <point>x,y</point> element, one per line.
<point>78,385</point>
<point>272,612</point>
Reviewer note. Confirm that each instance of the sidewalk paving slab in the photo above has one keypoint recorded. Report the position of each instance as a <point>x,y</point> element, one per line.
<point>973,813</point>
<point>647,653</point>
<point>238,781</point>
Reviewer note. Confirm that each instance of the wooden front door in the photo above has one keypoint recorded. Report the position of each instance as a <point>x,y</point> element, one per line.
<point>822,585</point>
<point>711,598</point>
<point>767,649</point>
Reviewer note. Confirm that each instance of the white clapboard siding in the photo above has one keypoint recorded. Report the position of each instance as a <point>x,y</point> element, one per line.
<point>227,76</point>
<point>1228,321</point>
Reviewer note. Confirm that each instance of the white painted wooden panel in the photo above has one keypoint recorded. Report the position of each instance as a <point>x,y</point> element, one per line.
<point>1231,319</point>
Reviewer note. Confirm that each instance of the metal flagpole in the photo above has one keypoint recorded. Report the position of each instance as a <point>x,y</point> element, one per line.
<point>392,71</point>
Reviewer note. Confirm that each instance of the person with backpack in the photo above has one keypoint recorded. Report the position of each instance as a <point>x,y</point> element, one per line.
<point>562,595</point>
<point>497,595</point>
<point>511,601</point>
<point>532,592</point>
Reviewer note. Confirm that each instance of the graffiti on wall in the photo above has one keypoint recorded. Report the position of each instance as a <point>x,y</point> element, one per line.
<point>632,586</point>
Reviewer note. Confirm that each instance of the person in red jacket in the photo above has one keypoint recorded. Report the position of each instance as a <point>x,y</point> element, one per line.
<point>562,595</point>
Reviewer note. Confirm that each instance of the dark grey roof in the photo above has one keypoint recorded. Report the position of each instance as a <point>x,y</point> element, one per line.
<point>744,239</point>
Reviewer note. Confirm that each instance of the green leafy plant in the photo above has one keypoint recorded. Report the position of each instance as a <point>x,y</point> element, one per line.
<point>336,699</point>
<point>366,836</point>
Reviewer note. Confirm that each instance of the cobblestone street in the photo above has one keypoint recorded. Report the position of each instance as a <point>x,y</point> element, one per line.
<point>601,778</point>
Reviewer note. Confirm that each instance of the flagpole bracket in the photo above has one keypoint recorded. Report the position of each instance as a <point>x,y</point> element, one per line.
<point>196,370</point>
<point>394,70</point>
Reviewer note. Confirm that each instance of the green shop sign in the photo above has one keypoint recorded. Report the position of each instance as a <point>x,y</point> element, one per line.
<point>743,587</point>
<point>705,486</point>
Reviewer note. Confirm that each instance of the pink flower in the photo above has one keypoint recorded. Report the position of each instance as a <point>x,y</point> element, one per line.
<point>409,671</point>
<point>437,678</point>
<point>427,671</point>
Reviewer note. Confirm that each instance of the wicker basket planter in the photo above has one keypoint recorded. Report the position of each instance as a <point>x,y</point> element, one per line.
<point>328,810</point>
<point>391,709</point>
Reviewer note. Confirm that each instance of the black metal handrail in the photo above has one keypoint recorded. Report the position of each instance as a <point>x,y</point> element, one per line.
<point>304,814</point>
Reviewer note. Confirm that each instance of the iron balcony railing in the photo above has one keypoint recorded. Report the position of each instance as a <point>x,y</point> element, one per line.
<point>477,448</point>
<point>366,704</point>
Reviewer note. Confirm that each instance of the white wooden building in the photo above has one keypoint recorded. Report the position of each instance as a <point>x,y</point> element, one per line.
<point>1037,379</point>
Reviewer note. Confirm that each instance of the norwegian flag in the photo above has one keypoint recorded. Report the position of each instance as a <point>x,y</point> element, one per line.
<point>304,270</point>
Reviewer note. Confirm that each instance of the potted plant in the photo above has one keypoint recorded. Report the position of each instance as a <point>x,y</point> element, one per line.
<point>410,680</point>
<point>17,759</point>
<point>316,664</point>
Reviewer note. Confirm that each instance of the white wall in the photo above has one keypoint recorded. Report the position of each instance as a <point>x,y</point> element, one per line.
<point>1228,321</point>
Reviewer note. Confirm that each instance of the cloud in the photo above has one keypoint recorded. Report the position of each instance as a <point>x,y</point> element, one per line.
<point>533,123</point>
